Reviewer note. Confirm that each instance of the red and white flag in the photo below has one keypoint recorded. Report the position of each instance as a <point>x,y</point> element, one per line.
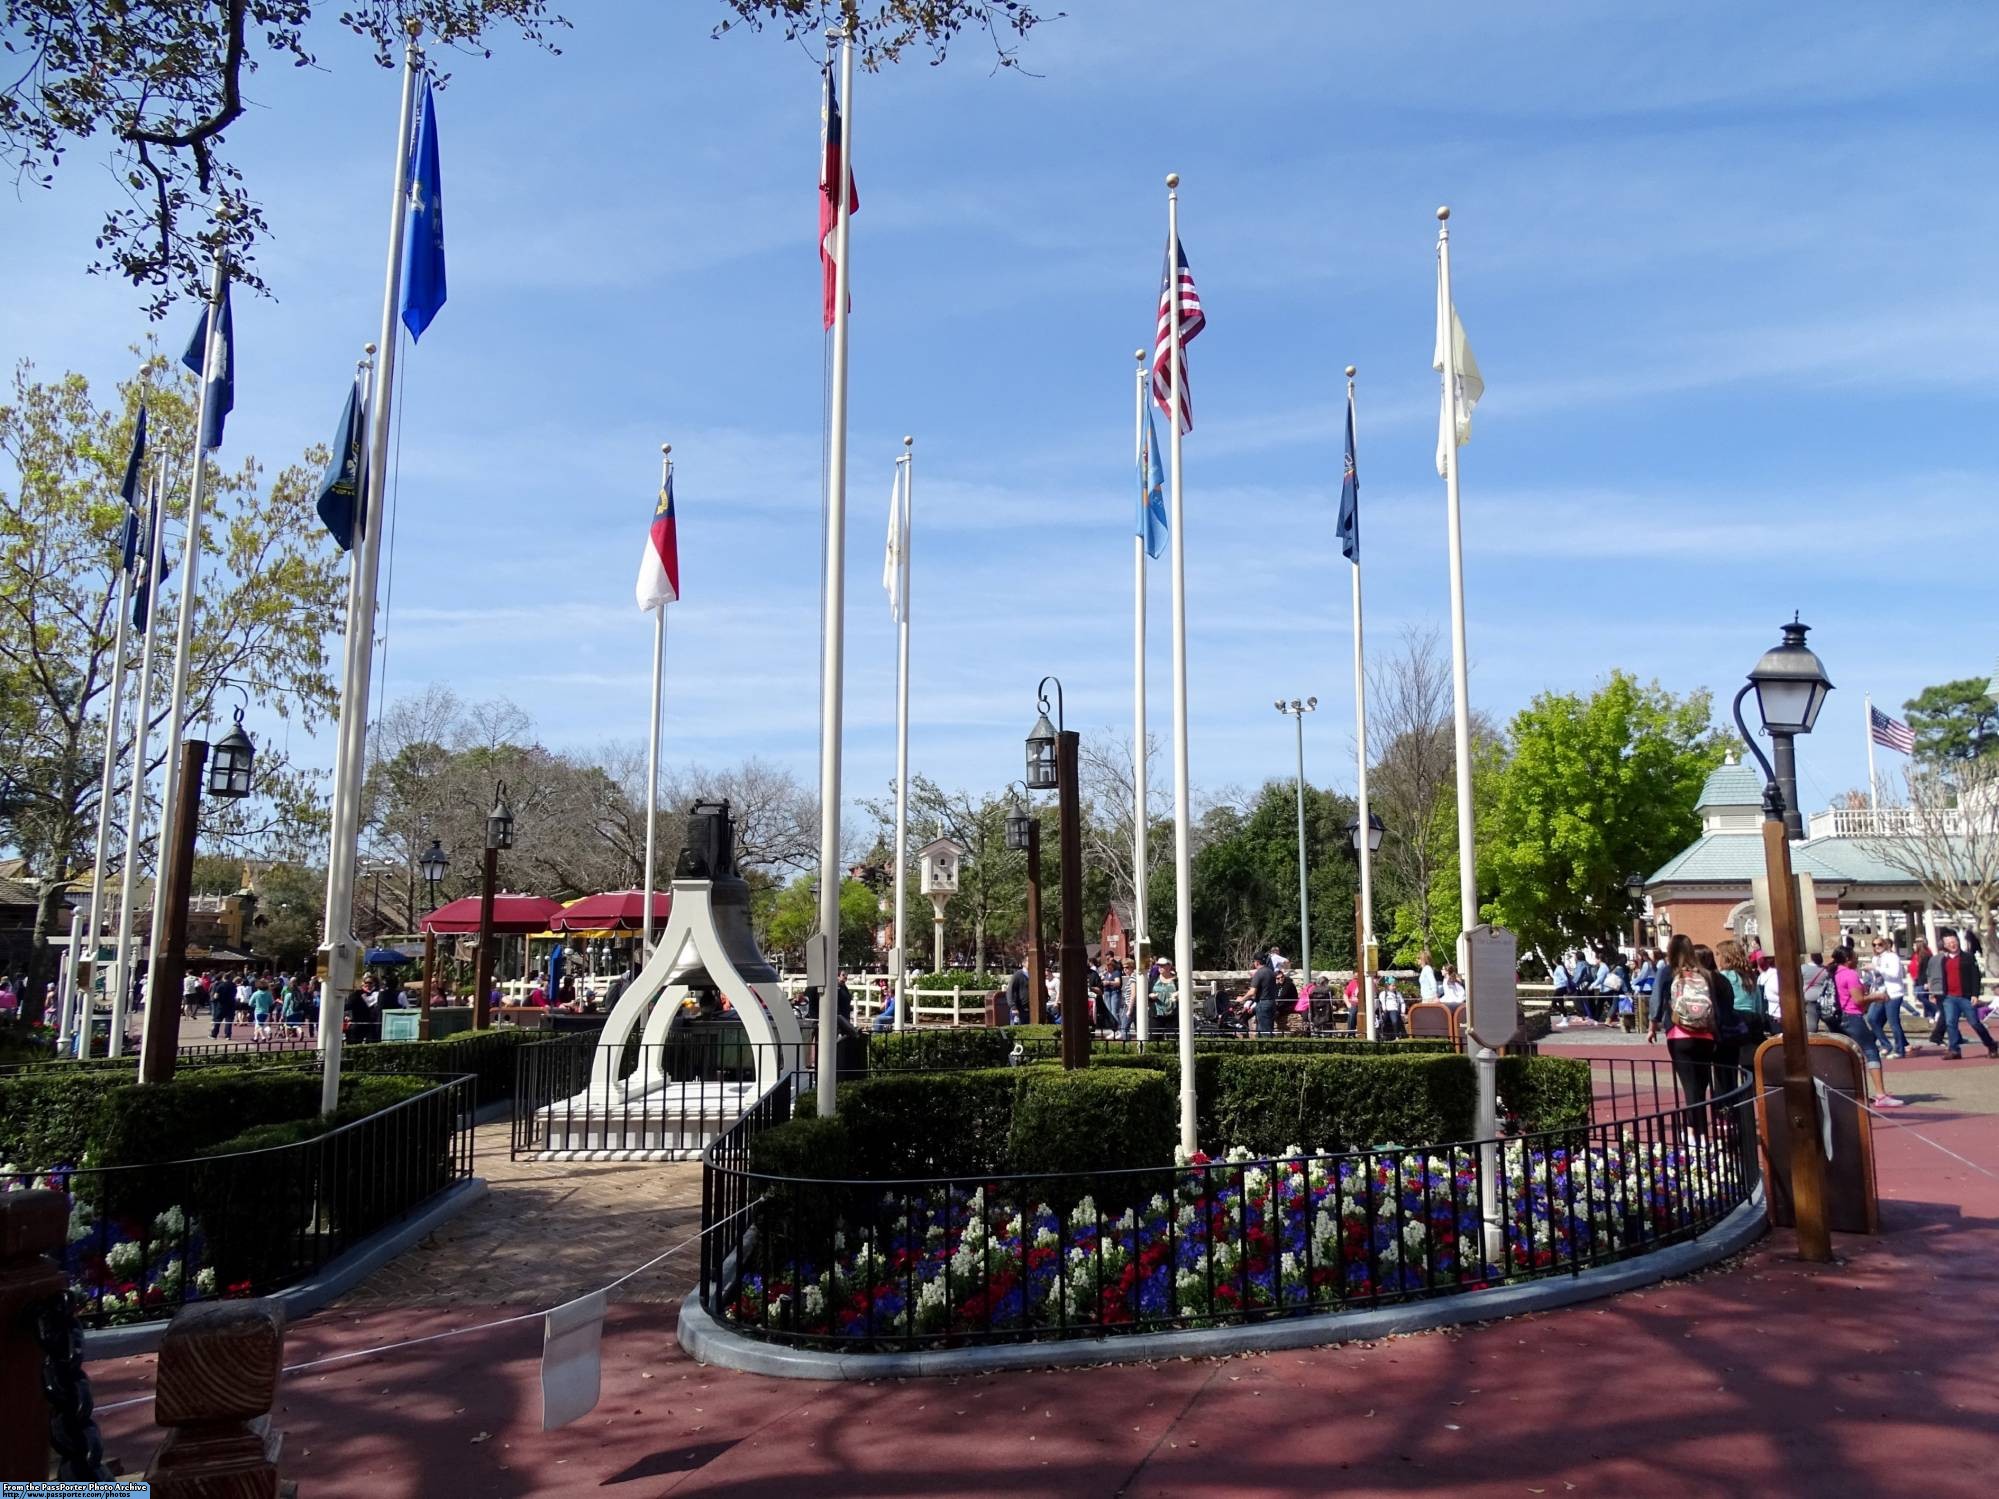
<point>833,165</point>
<point>659,568</point>
<point>1168,371</point>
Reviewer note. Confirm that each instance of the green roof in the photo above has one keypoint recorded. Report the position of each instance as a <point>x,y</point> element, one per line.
<point>1737,785</point>
<point>1730,858</point>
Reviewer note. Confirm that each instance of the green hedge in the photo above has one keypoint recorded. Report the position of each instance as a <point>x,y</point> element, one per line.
<point>961,978</point>
<point>939,1050</point>
<point>1090,1120</point>
<point>1544,1093</point>
<point>1270,1103</point>
<point>49,1118</point>
<point>913,1124</point>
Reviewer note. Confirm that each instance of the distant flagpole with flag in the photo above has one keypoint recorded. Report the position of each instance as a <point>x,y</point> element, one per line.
<point>211,354</point>
<point>1180,318</point>
<point>896,578</point>
<point>1148,539</point>
<point>1891,733</point>
<point>1460,391</point>
<point>118,595</point>
<point>837,204</point>
<point>414,287</point>
<point>658,586</point>
<point>120,985</point>
<point>1349,533</point>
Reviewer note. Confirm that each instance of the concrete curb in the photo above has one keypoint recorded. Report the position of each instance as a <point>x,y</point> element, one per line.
<point>335,1278</point>
<point>709,1342</point>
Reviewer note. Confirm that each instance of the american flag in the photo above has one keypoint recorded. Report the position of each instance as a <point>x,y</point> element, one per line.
<point>1191,323</point>
<point>1891,733</point>
<point>833,164</point>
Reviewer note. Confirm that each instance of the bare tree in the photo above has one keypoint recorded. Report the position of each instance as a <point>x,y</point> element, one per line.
<point>777,817</point>
<point>1414,770</point>
<point>1109,774</point>
<point>1949,838</point>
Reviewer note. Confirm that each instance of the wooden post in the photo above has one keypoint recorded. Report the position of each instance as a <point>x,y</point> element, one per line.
<point>1800,1099</point>
<point>1036,973</point>
<point>213,1389</point>
<point>482,968</point>
<point>1075,962</point>
<point>159,1043</point>
<point>32,1227</point>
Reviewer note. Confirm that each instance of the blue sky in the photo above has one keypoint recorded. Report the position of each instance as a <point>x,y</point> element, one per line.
<point>1727,270</point>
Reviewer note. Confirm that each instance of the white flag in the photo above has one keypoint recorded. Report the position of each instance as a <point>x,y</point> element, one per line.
<point>1456,404</point>
<point>897,550</point>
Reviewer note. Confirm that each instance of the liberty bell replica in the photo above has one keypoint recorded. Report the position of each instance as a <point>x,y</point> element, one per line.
<point>708,852</point>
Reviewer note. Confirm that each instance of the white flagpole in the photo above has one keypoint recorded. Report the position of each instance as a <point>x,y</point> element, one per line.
<point>1873,781</point>
<point>1486,1120</point>
<point>1140,939</point>
<point>1360,783</point>
<point>135,815</point>
<point>652,729</point>
<point>1183,814</point>
<point>834,624</point>
<point>339,946</point>
<point>104,794</point>
<point>190,568</point>
<point>906,532</point>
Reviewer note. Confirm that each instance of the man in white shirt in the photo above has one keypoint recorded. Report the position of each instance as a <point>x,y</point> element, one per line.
<point>1426,980</point>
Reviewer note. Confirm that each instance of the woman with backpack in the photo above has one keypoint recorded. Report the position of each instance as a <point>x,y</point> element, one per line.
<point>1742,1025</point>
<point>1853,998</point>
<point>1688,999</point>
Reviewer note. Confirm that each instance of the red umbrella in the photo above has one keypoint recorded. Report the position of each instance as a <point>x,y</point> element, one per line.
<point>612,911</point>
<point>511,913</point>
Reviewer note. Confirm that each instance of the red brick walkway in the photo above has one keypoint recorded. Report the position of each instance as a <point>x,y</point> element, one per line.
<point>1877,1376</point>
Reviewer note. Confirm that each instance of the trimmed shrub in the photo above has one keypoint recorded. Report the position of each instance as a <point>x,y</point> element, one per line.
<point>1107,1119</point>
<point>1544,1093</point>
<point>961,978</point>
<point>1271,1104</point>
<point>914,1124</point>
<point>939,1050</point>
<point>802,1147</point>
<point>143,1123</point>
<point>51,1118</point>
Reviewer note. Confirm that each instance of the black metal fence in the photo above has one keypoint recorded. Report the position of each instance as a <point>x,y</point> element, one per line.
<point>145,1239</point>
<point>899,1265</point>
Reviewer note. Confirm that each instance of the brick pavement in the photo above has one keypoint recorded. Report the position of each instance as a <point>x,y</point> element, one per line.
<point>548,1232</point>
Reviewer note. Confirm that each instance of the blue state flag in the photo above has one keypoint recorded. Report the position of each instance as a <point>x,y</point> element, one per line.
<point>1151,494</point>
<point>1350,497</point>
<point>423,245</point>
<point>129,490</point>
<point>343,487</point>
<point>143,581</point>
<point>211,354</point>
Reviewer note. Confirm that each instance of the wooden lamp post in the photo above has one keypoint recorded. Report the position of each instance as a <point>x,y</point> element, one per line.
<point>1053,756</point>
<point>499,835</point>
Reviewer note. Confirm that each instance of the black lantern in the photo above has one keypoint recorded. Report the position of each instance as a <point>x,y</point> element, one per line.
<point>434,861</point>
<point>1041,740</point>
<point>1018,827</point>
<point>230,763</point>
<point>500,821</point>
<point>1634,885</point>
<point>1790,684</point>
<point>1375,829</point>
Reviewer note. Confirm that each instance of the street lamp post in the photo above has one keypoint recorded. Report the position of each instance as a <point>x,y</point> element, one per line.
<point>1634,886</point>
<point>1023,835</point>
<point>1053,753</point>
<point>229,778</point>
<point>499,835</point>
<point>1297,711</point>
<point>1790,686</point>
<point>1363,848</point>
<point>434,861</point>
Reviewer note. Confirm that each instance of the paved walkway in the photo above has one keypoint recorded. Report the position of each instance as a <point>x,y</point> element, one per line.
<point>1878,1376</point>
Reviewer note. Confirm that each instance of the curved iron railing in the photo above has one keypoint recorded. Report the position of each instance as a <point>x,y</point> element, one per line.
<point>858,1265</point>
<point>145,1239</point>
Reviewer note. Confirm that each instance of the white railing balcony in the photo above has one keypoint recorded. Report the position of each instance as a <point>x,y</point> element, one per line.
<point>1868,822</point>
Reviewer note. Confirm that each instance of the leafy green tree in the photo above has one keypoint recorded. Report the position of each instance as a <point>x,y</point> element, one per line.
<point>794,917</point>
<point>164,83</point>
<point>1595,789</point>
<point>268,585</point>
<point>1954,721</point>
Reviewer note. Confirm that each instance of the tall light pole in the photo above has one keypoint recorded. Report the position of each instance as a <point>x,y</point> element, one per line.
<point>1790,686</point>
<point>1053,753</point>
<point>1023,835</point>
<point>499,835</point>
<point>434,861</point>
<point>1296,711</point>
<point>1365,846</point>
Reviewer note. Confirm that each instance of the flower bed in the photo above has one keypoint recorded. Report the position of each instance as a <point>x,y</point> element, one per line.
<point>949,1263</point>
<point>126,1269</point>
